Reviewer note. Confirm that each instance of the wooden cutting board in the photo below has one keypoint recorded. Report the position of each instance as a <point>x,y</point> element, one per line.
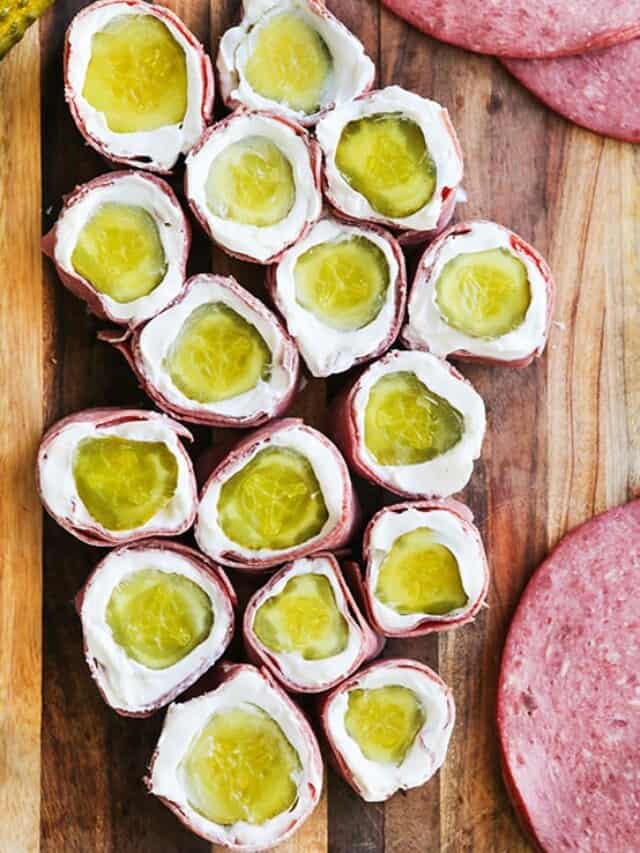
<point>563,443</point>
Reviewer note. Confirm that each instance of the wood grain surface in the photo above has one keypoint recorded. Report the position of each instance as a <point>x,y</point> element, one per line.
<point>563,443</point>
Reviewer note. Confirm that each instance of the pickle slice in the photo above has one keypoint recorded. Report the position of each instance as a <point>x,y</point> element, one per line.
<point>119,251</point>
<point>385,158</point>
<point>420,575</point>
<point>124,483</point>
<point>241,767</point>
<point>384,722</point>
<point>484,294</point>
<point>16,16</point>
<point>290,63</point>
<point>137,75</point>
<point>274,501</point>
<point>406,423</point>
<point>217,355</point>
<point>343,283</point>
<point>158,617</point>
<point>303,618</point>
<point>251,182</point>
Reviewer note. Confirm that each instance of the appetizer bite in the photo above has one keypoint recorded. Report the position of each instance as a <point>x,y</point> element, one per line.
<point>139,84</point>
<point>425,568</point>
<point>388,727</point>
<point>155,616</point>
<point>112,476</point>
<point>480,293</point>
<point>121,244</point>
<point>412,424</point>
<point>393,158</point>
<point>240,766</point>
<point>253,182</point>
<point>281,493</point>
<point>291,57</point>
<point>341,290</point>
<point>305,627</point>
<point>217,356</point>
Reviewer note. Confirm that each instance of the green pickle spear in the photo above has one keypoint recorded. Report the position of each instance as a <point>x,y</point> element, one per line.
<point>123,483</point>
<point>241,767</point>
<point>158,617</point>
<point>303,618</point>
<point>420,575</point>
<point>484,294</point>
<point>406,423</point>
<point>273,502</point>
<point>385,158</point>
<point>384,721</point>
<point>16,16</point>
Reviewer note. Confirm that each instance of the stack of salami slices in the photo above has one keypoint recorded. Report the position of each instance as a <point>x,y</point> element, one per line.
<point>581,58</point>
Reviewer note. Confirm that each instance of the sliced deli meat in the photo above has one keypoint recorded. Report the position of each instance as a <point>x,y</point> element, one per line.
<point>597,90</point>
<point>306,628</point>
<point>481,293</point>
<point>113,476</point>
<point>217,356</point>
<point>240,765</point>
<point>425,568</point>
<point>155,616</point>
<point>138,83</point>
<point>388,727</point>
<point>569,691</point>
<point>281,493</point>
<point>341,290</point>
<point>291,57</point>
<point>121,243</point>
<point>520,28</point>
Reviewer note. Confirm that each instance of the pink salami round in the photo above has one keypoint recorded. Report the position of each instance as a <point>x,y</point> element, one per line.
<point>522,28</point>
<point>597,90</point>
<point>569,691</point>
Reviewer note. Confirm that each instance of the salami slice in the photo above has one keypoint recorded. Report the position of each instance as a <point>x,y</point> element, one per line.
<point>597,90</point>
<point>569,692</point>
<point>521,28</point>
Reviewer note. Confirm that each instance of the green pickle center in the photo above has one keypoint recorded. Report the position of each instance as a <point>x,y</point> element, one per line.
<point>303,618</point>
<point>406,423</point>
<point>124,483</point>
<point>119,252</point>
<point>420,575</point>
<point>289,63</point>
<point>217,355</point>
<point>384,157</point>
<point>137,75</point>
<point>273,502</point>
<point>343,283</point>
<point>241,767</point>
<point>251,182</point>
<point>158,617</point>
<point>484,294</point>
<point>384,722</point>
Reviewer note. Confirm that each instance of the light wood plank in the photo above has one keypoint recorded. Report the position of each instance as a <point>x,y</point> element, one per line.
<point>20,430</point>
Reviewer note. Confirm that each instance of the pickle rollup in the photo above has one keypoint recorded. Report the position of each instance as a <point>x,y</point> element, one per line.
<point>283,492</point>
<point>217,356</point>
<point>412,424</point>
<point>240,765</point>
<point>306,628</point>
<point>388,727</point>
<point>341,290</point>
<point>291,57</point>
<point>113,476</point>
<point>253,183</point>
<point>155,616</point>
<point>392,158</point>
<point>121,244</point>
<point>481,293</point>
<point>425,568</point>
<point>163,99</point>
